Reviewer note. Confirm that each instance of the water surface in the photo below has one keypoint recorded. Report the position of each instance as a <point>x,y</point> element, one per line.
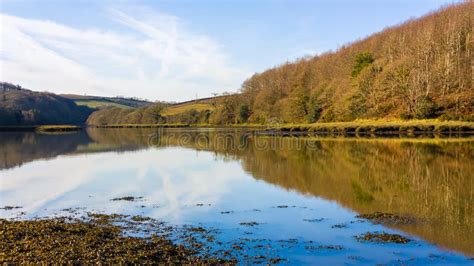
<point>288,197</point>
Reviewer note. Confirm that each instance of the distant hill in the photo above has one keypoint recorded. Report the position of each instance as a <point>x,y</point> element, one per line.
<point>200,111</point>
<point>99,102</point>
<point>19,106</point>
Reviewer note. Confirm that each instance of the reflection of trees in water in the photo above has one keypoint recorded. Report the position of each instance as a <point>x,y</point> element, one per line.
<point>123,139</point>
<point>17,148</point>
<point>432,180</point>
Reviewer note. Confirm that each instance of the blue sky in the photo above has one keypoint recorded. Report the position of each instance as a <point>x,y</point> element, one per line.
<point>175,50</point>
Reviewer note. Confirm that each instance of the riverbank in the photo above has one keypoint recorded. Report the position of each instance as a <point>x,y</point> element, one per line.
<point>358,127</point>
<point>143,126</point>
<point>352,128</point>
<point>377,128</point>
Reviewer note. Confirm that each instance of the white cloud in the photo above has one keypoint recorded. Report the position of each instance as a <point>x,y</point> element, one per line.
<point>154,57</point>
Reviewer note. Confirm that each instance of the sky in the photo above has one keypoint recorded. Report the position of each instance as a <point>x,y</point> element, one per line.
<point>176,50</point>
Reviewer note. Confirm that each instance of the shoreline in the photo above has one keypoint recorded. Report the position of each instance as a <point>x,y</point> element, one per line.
<point>91,237</point>
<point>410,128</point>
<point>99,238</point>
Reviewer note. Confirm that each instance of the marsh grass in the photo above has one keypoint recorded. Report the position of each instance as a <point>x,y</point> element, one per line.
<point>380,127</point>
<point>357,127</point>
<point>407,128</point>
<point>143,126</point>
<point>57,128</point>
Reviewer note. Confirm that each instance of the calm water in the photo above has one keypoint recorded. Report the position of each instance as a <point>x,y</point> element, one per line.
<point>296,189</point>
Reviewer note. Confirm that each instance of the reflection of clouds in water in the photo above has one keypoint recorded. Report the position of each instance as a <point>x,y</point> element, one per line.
<point>171,178</point>
<point>35,184</point>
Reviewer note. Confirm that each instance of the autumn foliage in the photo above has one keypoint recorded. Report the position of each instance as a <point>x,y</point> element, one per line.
<point>419,69</point>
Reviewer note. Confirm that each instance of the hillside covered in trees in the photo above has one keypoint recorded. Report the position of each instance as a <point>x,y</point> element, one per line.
<point>419,69</point>
<point>19,106</point>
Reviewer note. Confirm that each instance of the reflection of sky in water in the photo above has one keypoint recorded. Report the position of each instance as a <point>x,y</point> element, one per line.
<point>174,180</point>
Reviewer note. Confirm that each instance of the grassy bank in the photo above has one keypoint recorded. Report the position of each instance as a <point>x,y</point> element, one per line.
<point>357,127</point>
<point>142,126</point>
<point>58,128</point>
<point>248,126</point>
<point>378,127</point>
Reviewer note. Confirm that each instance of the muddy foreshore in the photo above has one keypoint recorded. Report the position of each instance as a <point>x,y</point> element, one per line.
<point>115,238</point>
<point>97,238</point>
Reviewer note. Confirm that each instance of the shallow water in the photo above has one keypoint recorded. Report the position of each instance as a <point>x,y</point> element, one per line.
<point>287,197</point>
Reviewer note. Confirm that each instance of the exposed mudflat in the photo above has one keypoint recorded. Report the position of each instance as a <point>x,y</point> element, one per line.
<point>75,235</point>
<point>92,239</point>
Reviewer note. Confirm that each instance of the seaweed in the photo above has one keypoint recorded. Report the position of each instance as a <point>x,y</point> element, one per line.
<point>95,239</point>
<point>387,218</point>
<point>127,198</point>
<point>383,238</point>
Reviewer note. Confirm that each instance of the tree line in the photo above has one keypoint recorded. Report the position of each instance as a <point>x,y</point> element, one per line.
<point>419,69</point>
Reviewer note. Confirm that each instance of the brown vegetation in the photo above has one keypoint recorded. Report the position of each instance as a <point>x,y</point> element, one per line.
<point>94,241</point>
<point>380,127</point>
<point>383,237</point>
<point>420,69</point>
<point>387,218</point>
<point>58,128</point>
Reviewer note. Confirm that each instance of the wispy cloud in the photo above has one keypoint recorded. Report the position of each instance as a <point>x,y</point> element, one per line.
<point>154,57</point>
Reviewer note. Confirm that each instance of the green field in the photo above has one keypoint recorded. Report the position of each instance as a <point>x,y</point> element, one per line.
<point>97,104</point>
